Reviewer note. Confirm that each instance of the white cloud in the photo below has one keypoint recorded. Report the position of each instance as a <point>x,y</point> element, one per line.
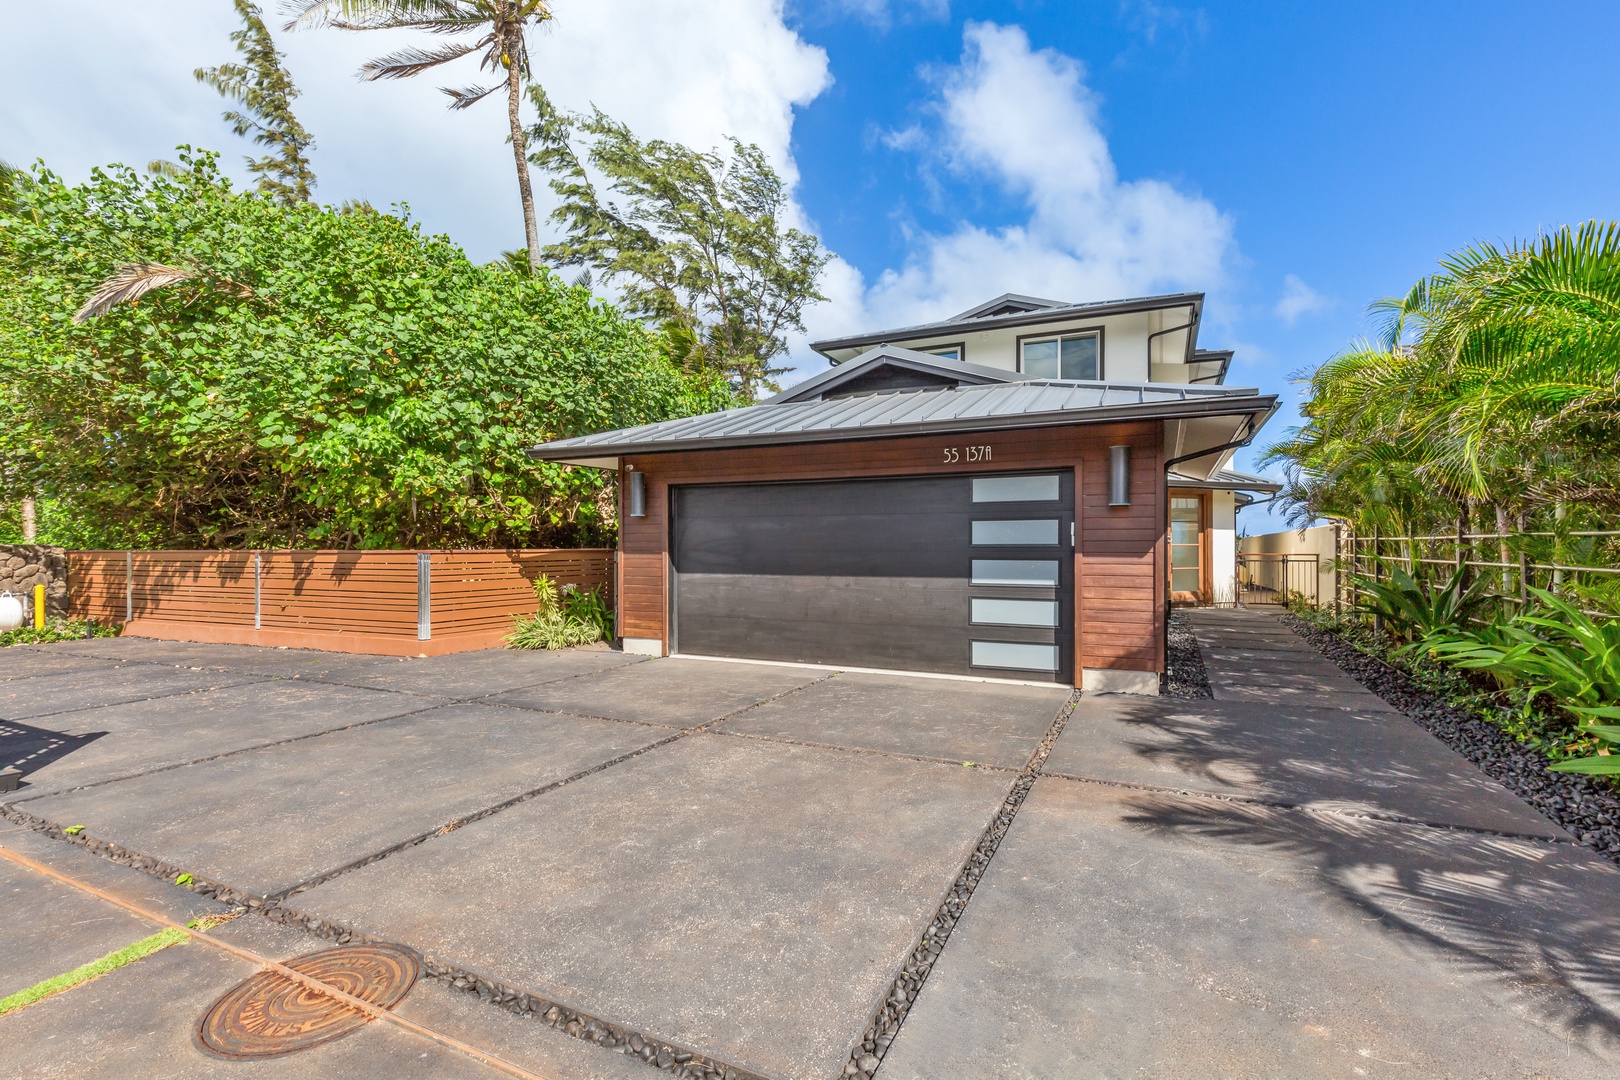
<point>694,73</point>
<point>881,13</point>
<point>1024,120</point>
<point>1298,299</point>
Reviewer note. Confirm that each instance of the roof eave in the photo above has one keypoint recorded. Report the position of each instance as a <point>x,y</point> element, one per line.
<point>1262,404</point>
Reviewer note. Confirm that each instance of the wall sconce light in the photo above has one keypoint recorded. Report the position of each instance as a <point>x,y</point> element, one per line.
<point>1119,476</point>
<point>638,494</point>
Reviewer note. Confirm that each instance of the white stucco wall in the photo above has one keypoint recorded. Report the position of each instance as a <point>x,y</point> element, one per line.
<point>1223,547</point>
<point>1124,352</point>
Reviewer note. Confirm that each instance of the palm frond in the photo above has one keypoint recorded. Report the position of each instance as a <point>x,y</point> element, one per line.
<point>406,62</point>
<point>131,281</point>
<point>468,95</point>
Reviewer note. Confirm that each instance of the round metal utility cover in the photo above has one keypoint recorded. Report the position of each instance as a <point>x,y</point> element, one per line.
<point>269,1014</point>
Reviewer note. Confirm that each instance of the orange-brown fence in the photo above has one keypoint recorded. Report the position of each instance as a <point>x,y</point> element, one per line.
<point>392,602</point>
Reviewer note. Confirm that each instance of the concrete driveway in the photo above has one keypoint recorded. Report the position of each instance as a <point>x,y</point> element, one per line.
<point>728,869</point>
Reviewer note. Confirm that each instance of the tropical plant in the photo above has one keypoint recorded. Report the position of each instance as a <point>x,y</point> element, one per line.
<point>499,31</point>
<point>553,626</point>
<point>1604,762</point>
<point>265,90</point>
<point>1418,613</point>
<point>1492,395</point>
<point>694,241</point>
<point>1556,650</point>
<point>588,606</point>
<point>304,376</point>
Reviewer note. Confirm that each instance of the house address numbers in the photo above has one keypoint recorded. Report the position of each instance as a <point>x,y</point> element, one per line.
<point>966,453</point>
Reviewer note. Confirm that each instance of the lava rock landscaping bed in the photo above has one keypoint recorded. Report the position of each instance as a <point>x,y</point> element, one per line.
<point>1589,810</point>
<point>1185,676</point>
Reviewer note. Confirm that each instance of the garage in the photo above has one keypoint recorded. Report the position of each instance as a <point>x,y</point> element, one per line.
<point>958,574</point>
<point>914,514</point>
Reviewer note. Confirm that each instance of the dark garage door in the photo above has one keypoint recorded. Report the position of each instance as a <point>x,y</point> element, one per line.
<point>958,574</point>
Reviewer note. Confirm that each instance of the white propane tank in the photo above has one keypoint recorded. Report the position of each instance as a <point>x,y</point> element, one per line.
<point>11,612</point>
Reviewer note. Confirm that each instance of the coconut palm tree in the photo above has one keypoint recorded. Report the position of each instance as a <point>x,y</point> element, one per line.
<point>494,30</point>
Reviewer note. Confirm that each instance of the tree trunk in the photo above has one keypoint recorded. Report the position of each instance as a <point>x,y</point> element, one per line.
<point>520,151</point>
<point>30,528</point>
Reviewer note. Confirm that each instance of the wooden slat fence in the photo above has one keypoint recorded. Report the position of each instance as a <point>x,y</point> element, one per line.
<point>390,602</point>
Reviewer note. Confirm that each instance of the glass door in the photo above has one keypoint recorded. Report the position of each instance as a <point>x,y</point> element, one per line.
<point>1186,548</point>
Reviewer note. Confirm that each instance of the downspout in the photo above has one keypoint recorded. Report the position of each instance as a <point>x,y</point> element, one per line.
<point>1171,330</point>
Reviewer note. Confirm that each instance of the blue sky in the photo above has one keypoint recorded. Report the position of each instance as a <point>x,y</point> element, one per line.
<point>1294,161</point>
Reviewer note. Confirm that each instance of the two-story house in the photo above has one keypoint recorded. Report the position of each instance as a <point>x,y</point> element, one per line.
<point>1019,492</point>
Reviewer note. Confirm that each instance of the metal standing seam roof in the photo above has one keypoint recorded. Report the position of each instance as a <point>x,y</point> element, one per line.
<point>1036,403</point>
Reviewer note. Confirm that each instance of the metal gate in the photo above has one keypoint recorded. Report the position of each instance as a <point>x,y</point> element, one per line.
<point>1275,579</point>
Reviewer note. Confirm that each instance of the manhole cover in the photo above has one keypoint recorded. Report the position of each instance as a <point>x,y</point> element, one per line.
<point>269,1014</point>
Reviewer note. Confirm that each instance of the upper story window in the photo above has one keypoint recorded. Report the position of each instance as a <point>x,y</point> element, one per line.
<point>949,352</point>
<point>1069,356</point>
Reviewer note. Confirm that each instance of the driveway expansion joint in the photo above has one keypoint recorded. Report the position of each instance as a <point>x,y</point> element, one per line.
<point>890,1012</point>
<point>249,680</point>
<point>865,750</point>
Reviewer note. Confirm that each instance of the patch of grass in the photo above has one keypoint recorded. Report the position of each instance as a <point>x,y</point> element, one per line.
<point>80,975</point>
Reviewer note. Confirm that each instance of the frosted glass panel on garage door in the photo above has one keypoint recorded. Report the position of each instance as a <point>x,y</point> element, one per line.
<point>992,489</point>
<point>1042,572</point>
<point>991,612</point>
<point>1016,533</point>
<point>1007,654</point>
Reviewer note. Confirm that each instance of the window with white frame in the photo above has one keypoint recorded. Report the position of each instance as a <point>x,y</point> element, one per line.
<point>1064,356</point>
<point>948,352</point>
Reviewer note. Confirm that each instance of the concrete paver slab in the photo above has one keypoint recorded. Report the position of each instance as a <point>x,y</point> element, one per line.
<point>1327,759</point>
<point>672,691</point>
<point>1311,693</point>
<point>25,662</point>
<point>49,928</point>
<point>123,740</point>
<point>750,900</point>
<point>1125,934</point>
<point>488,671</point>
<point>953,721</point>
<point>270,818</point>
<point>22,699</point>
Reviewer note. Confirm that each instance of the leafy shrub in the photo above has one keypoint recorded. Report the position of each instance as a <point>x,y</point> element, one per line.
<point>56,630</point>
<point>1419,614</point>
<point>588,606</point>
<point>552,627</point>
<point>307,378</point>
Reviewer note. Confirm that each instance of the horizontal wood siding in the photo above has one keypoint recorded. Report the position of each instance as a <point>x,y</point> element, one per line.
<point>1122,575</point>
<point>1119,550</point>
<point>359,601</point>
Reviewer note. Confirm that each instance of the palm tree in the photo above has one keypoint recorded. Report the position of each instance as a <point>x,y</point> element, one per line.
<point>1507,396</point>
<point>499,28</point>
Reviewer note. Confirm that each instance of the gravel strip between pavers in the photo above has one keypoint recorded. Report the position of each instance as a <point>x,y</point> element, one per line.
<point>1184,676</point>
<point>1588,809</point>
<point>880,1033</point>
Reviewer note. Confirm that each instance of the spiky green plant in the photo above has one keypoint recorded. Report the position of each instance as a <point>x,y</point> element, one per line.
<point>551,627</point>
